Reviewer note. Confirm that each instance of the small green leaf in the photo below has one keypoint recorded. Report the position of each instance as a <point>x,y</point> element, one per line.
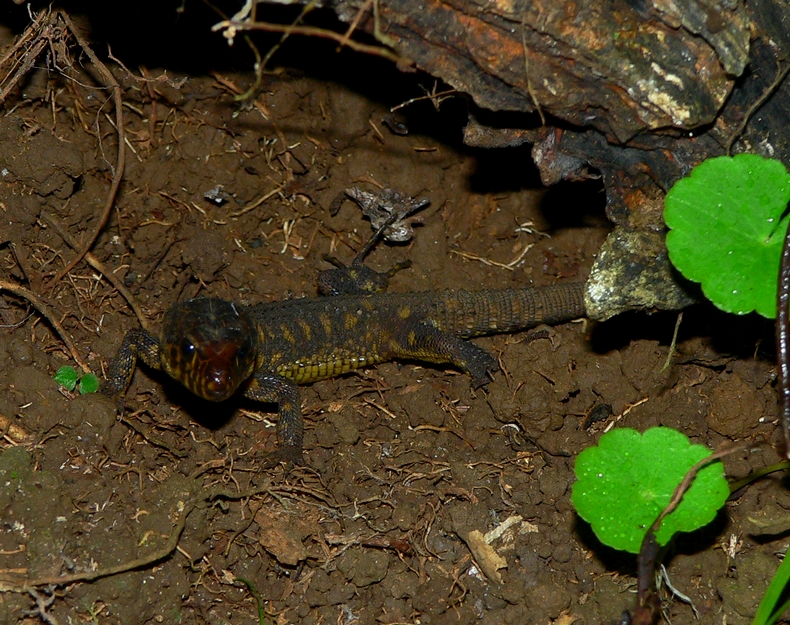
<point>628,479</point>
<point>67,377</point>
<point>89,383</point>
<point>727,230</point>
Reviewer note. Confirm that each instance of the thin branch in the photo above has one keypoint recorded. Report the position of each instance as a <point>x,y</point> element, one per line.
<point>754,107</point>
<point>673,344</point>
<point>685,484</point>
<point>437,98</point>
<point>27,59</point>
<point>101,268</point>
<point>156,556</point>
<point>310,31</point>
<point>530,89</point>
<point>647,601</point>
<point>783,339</point>
<point>355,22</point>
<point>261,63</point>
<point>49,315</point>
<point>89,576</point>
<point>121,163</point>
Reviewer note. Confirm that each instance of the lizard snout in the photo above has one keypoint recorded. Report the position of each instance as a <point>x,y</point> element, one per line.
<point>223,370</point>
<point>218,384</point>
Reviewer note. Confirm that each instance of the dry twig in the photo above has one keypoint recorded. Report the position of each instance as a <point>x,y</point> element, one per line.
<point>159,554</point>
<point>100,267</point>
<point>780,76</point>
<point>231,27</point>
<point>46,311</point>
<point>121,162</point>
<point>37,35</point>
<point>11,431</point>
<point>89,576</point>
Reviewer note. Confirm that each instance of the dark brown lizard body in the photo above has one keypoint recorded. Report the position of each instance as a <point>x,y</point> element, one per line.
<point>214,347</point>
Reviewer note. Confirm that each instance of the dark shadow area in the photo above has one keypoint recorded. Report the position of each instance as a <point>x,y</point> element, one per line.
<point>689,543</point>
<point>686,543</point>
<point>504,170</point>
<point>169,34</point>
<point>742,336</point>
<point>765,539</point>
<point>612,559</point>
<point>16,17</point>
<point>575,204</point>
<point>211,415</point>
<point>176,35</point>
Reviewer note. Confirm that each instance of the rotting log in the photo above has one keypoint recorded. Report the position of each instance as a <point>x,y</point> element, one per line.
<point>636,92</point>
<point>604,65</point>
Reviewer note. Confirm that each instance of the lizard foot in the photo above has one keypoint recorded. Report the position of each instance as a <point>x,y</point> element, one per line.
<point>290,455</point>
<point>115,396</point>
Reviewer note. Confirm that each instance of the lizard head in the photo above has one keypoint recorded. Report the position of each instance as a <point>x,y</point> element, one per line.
<point>209,345</point>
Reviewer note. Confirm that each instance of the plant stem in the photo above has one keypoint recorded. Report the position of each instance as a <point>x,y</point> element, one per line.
<point>755,475</point>
<point>783,338</point>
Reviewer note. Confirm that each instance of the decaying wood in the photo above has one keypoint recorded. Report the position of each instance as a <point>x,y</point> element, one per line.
<point>634,92</point>
<point>620,82</point>
<point>608,65</point>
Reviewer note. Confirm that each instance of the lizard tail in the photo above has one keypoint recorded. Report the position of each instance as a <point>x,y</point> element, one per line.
<point>474,313</point>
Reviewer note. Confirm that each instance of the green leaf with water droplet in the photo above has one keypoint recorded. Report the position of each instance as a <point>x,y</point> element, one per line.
<point>727,223</point>
<point>625,482</point>
<point>67,377</point>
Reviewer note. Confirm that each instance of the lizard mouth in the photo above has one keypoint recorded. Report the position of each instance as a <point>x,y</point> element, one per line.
<point>219,373</point>
<point>210,348</point>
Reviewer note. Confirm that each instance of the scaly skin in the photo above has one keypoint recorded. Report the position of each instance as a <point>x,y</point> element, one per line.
<point>214,348</point>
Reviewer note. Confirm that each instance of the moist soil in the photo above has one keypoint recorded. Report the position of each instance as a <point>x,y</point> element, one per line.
<point>403,461</point>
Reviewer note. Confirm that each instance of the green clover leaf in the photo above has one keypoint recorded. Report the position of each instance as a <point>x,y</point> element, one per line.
<point>625,481</point>
<point>89,383</point>
<point>67,377</point>
<point>727,229</point>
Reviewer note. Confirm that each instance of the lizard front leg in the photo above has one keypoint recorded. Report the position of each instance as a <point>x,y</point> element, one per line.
<point>270,387</point>
<point>136,344</point>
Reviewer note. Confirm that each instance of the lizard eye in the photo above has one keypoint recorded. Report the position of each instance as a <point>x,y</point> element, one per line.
<point>187,350</point>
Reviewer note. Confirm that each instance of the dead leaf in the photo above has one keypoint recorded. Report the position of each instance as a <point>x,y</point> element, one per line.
<point>280,538</point>
<point>486,557</point>
<point>565,619</point>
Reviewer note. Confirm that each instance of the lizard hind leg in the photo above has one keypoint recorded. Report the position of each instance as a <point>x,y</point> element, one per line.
<point>356,279</point>
<point>429,344</point>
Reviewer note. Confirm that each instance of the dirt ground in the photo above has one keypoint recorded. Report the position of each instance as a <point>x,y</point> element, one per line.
<point>403,461</point>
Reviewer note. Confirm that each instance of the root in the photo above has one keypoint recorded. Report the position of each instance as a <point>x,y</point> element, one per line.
<point>49,315</point>
<point>101,268</point>
<point>163,552</point>
<point>121,162</point>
